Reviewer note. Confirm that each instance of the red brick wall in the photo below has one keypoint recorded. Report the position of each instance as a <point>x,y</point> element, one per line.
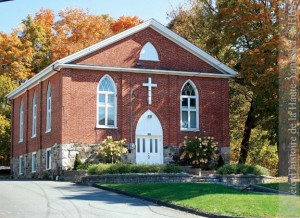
<point>125,53</point>
<point>79,106</point>
<point>42,139</point>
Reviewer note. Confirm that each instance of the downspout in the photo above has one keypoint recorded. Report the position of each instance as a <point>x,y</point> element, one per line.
<point>41,128</point>
<point>12,140</point>
<point>27,132</point>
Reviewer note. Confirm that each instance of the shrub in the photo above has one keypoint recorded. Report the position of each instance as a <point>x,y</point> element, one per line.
<point>201,152</point>
<point>77,162</point>
<point>243,169</point>
<point>111,150</point>
<point>122,168</point>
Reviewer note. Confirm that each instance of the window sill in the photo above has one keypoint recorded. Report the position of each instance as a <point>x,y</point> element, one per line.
<point>190,130</point>
<point>34,136</point>
<point>33,171</point>
<point>106,127</point>
<point>48,169</point>
<point>48,131</point>
<point>20,141</point>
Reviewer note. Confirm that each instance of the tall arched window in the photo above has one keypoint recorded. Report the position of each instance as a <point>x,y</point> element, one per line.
<point>189,107</point>
<point>149,53</point>
<point>34,113</point>
<point>49,109</point>
<point>21,116</point>
<point>106,103</point>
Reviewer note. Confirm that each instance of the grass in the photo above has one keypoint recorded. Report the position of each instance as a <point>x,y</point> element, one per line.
<point>283,186</point>
<point>217,199</point>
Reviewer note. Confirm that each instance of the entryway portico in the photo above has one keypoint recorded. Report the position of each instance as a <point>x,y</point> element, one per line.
<point>149,139</point>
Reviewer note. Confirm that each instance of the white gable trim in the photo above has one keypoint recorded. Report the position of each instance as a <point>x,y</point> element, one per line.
<point>56,66</point>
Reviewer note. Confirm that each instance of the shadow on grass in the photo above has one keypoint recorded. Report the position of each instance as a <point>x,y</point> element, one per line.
<point>284,186</point>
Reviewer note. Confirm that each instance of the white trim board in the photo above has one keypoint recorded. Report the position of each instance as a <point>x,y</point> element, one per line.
<point>57,65</point>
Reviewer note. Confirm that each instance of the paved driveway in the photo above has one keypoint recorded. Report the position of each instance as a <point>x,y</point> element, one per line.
<point>39,199</point>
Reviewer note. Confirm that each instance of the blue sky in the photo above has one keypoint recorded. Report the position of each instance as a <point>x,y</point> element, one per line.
<point>12,12</point>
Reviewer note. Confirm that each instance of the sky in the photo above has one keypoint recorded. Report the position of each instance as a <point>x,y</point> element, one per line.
<point>12,12</point>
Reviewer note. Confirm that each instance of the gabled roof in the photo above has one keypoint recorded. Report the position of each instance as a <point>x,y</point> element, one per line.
<point>64,62</point>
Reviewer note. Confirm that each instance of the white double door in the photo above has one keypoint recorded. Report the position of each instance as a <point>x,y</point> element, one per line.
<point>149,150</point>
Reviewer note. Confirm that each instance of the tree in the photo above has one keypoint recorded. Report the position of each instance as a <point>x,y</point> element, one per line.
<point>6,85</point>
<point>15,57</point>
<point>244,35</point>
<point>124,23</point>
<point>76,29</point>
<point>38,31</point>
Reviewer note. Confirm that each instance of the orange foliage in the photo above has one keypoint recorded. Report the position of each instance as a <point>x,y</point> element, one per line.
<point>124,23</point>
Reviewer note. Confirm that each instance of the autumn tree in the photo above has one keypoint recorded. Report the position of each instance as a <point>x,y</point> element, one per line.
<point>76,29</point>
<point>124,23</point>
<point>244,35</point>
<point>15,57</point>
<point>38,31</point>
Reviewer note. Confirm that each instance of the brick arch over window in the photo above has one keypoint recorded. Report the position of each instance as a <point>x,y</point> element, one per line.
<point>106,103</point>
<point>189,106</point>
<point>149,53</point>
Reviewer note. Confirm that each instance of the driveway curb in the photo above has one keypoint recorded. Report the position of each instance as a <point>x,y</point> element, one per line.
<point>163,203</point>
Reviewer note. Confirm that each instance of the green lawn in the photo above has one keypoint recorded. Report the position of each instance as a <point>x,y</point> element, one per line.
<point>217,199</point>
<point>282,186</point>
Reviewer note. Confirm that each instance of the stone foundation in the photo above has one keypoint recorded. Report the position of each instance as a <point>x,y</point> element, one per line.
<point>63,157</point>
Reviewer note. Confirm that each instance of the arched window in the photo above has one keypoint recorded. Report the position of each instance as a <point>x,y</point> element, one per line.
<point>21,116</point>
<point>149,53</point>
<point>189,107</point>
<point>106,103</point>
<point>49,109</point>
<point>34,113</point>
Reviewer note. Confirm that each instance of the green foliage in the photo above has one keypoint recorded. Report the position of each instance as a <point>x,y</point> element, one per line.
<point>6,85</point>
<point>77,162</point>
<point>243,169</point>
<point>111,150</point>
<point>122,168</point>
<point>200,151</point>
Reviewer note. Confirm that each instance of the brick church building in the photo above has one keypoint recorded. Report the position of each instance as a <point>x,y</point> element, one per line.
<point>146,84</point>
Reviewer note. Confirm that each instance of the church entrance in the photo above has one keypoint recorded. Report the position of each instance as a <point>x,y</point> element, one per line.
<point>149,139</point>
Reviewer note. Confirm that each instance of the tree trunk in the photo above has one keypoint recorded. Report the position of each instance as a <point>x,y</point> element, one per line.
<point>249,125</point>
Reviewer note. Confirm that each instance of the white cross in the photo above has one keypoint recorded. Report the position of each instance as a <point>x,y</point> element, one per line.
<point>150,85</point>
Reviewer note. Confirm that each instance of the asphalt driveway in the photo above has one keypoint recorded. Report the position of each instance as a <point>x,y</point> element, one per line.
<point>39,199</point>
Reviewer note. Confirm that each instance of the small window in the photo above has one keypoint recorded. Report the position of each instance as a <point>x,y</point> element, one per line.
<point>34,113</point>
<point>20,165</point>
<point>189,107</point>
<point>21,130</point>
<point>107,103</point>
<point>49,109</point>
<point>33,162</point>
<point>48,159</point>
<point>149,53</point>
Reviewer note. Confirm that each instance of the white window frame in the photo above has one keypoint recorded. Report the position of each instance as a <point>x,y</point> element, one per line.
<point>149,53</point>
<point>49,109</point>
<point>48,160</point>
<point>33,162</point>
<point>106,105</point>
<point>189,109</point>
<point>34,115</point>
<point>21,122</point>
<point>21,165</point>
